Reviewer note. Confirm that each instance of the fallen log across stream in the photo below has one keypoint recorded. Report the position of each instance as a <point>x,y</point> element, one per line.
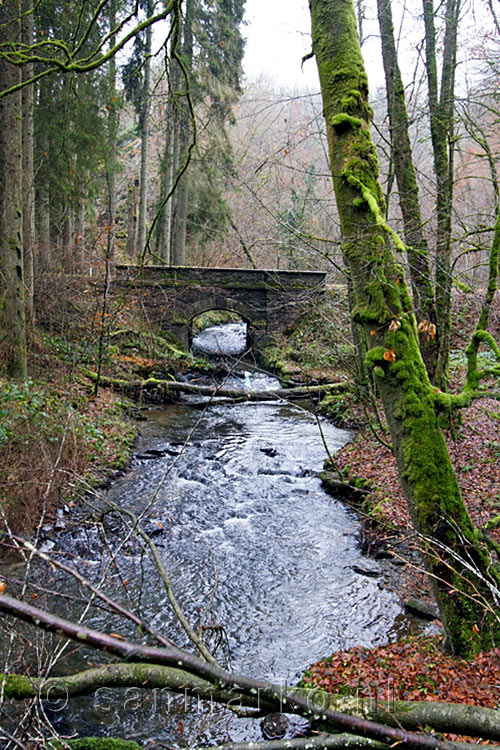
<point>408,715</point>
<point>167,388</point>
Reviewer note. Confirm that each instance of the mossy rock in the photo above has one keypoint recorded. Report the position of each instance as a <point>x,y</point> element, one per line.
<point>97,743</point>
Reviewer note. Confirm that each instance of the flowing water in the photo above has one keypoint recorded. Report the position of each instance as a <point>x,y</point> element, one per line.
<point>255,547</point>
<point>228,339</point>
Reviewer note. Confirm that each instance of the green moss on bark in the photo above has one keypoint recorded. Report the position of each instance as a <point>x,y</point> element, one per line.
<point>459,565</point>
<point>17,686</point>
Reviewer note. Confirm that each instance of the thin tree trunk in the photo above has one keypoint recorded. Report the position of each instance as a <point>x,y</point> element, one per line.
<point>460,566</point>
<point>441,106</point>
<point>418,253</point>
<point>79,239</point>
<point>12,309</point>
<point>181,211</point>
<point>43,188</point>
<point>43,211</point>
<point>176,154</point>
<point>28,171</point>
<point>167,179</point>
<point>112,135</point>
<point>132,220</point>
<point>146,105</point>
<point>68,240</point>
<point>184,134</point>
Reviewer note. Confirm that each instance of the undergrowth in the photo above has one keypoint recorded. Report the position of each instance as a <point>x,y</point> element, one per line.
<point>57,437</point>
<point>52,442</point>
<point>319,346</point>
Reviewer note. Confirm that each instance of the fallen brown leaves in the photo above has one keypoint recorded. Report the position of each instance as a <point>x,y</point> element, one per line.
<point>413,669</point>
<point>417,668</point>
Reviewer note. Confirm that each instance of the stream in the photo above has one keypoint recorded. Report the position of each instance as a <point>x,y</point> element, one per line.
<point>258,552</point>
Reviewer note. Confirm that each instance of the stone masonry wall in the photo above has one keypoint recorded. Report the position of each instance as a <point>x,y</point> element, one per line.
<point>268,301</point>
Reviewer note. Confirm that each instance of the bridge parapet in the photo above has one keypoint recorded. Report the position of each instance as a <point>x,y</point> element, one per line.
<point>232,278</point>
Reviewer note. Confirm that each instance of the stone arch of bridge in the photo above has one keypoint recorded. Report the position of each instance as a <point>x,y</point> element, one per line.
<point>223,302</point>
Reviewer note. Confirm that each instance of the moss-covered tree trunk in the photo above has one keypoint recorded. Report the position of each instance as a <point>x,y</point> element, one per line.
<point>458,563</point>
<point>12,310</point>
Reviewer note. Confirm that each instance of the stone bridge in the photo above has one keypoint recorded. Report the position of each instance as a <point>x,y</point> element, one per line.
<point>173,296</point>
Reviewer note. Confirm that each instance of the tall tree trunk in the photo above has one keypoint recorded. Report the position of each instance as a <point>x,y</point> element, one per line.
<point>12,307</point>
<point>184,134</point>
<point>181,212</point>
<point>144,122</point>
<point>28,172</point>
<point>175,256</point>
<point>112,136</point>
<point>167,180</point>
<point>80,238</point>
<point>418,252</point>
<point>43,213</point>
<point>441,108</point>
<point>459,565</point>
<point>166,215</point>
<point>67,244</point>
<point>132,220</point>
<point>43,188</point>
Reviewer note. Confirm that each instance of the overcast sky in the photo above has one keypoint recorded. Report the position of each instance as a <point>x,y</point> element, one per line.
<point>278,37</point>
<point>278,34</point>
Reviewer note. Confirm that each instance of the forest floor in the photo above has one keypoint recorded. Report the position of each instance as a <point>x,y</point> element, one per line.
<point>417,668</point>
<point>59,435</point>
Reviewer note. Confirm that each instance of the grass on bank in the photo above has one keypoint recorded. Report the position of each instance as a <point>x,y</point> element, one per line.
<point>54,441</point>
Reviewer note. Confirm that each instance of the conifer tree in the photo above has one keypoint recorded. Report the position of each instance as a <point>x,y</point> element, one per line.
<point>12,309</point>
<point>210,46</point>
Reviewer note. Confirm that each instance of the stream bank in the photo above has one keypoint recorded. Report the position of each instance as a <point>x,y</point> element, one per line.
<point>244,504</point>
<point>267,564</point>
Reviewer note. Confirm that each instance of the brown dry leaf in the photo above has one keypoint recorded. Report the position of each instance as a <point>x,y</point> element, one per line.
<point>423,326</point>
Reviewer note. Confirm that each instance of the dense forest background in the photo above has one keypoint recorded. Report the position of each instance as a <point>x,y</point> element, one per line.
<point>108,145</point>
